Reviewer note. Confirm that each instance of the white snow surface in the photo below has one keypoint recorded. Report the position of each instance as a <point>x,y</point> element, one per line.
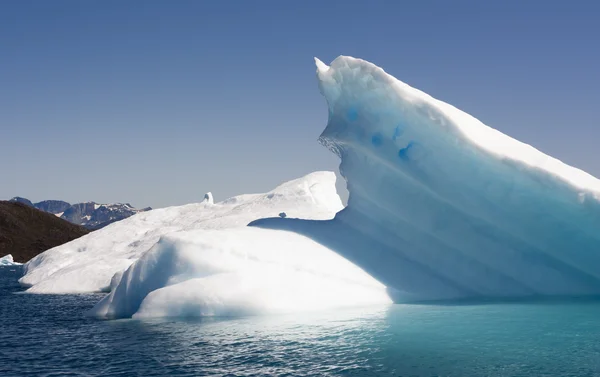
<point>238,271</point>
<point>8,260</point>
<point>442,206</point>
<point>88,264</point>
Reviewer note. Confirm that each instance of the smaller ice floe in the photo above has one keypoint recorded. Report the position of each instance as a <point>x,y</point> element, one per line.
<point>8,260</point>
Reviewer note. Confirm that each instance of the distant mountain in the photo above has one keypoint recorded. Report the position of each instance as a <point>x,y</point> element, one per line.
<point>18,199</point>
<point>26,231</point>
<point>95,216</point>
<point>91,215</point>
<point>52,206</point>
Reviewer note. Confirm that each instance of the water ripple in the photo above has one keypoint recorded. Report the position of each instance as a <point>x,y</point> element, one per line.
<point>49,336</point>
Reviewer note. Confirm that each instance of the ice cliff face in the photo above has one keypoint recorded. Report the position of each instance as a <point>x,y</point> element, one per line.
<point>442,206</point>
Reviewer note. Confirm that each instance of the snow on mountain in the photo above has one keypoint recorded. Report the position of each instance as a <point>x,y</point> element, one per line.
<point>89,263</point>
<point>94,216</point>
<point>91,215</point>
<point>8,260</point>
<point>442,206</point>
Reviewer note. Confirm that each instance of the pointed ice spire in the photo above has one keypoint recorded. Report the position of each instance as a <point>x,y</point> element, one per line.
<point>208,198</point>
<point>321,67</point>
<point>325,79</point>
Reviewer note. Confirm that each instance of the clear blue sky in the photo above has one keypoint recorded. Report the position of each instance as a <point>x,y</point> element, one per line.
<point>156,102</point>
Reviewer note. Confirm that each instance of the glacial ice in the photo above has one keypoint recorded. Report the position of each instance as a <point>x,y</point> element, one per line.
<point>92,263</point>
<point>8,260</point>
<point>442,206</point>
<point>238,271</point>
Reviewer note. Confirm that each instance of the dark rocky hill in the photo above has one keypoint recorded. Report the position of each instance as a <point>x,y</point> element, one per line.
<point>26,231</point>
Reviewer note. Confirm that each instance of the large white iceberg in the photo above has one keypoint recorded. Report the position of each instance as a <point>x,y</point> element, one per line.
<point>442,206</point>
<point>89,263</point>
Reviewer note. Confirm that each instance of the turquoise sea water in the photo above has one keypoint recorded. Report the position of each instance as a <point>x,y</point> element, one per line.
<point>48,335</point>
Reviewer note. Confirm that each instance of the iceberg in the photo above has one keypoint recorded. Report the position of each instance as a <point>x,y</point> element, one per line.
<point>8,260</point>
<point>94,262</point>
<point>442,206</point>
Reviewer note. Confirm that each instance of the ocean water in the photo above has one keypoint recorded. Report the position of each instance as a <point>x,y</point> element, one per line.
<point>47,335</point>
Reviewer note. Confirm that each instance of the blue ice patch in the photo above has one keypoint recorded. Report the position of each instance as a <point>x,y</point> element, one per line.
<point>404,152</point>
<point>397,132</point>
<point>377,139</point>
<point>352,114</point>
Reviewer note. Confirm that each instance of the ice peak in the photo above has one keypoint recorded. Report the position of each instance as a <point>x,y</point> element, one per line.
<point>321,67</point>
<point>208,198</point>
<point>8,260</point>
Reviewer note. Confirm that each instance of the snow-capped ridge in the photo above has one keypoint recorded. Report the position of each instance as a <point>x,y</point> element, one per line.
<point>89,214</point>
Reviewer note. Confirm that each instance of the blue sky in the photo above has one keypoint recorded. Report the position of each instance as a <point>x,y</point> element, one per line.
<point>157,102</point>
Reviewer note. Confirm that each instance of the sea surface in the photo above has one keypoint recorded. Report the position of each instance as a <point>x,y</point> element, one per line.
<point>49,335</point>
